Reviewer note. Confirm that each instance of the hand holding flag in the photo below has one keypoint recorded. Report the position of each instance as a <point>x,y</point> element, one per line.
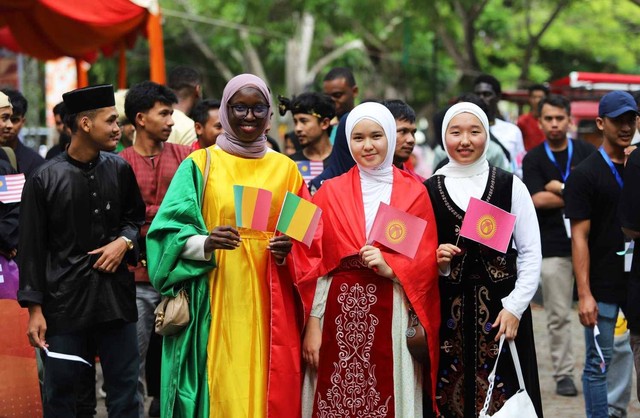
<point>299,218</point>
<point>397,230</point>
<point>252,207</point>
<point>487,224</point>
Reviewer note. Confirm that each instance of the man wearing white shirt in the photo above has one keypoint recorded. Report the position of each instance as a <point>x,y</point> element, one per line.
<point>186,84</point>
<point>509,135</point>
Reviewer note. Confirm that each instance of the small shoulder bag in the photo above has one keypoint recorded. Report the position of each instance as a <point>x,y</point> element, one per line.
<point>172,313</point>
<point>417,339</point>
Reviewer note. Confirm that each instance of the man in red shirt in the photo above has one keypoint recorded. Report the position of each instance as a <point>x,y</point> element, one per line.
<point>206,118</point>
<point>528,123</point>
<point>148,106</point>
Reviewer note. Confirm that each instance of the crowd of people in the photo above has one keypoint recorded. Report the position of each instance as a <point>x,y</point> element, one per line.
<point>138,203</point>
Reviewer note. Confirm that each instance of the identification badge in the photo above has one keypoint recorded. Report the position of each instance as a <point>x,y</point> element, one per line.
<point>567,225</point>
<point>628,255</point>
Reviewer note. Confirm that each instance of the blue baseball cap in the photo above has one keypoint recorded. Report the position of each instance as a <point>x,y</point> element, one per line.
<point>616,103</point>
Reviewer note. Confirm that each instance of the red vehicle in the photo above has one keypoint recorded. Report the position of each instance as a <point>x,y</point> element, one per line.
<point>584,90</point>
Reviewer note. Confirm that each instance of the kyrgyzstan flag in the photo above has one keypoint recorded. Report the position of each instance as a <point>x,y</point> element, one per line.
<point>11,188</point>
<point>488,225</point>
<point>397,230</point>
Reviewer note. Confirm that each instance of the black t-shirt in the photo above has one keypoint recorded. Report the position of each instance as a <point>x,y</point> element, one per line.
<point>592,192</point>
<point>537,171</point>
<point>629,215</point>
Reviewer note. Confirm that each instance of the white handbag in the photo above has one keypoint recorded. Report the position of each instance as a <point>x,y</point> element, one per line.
<point>519,405</point>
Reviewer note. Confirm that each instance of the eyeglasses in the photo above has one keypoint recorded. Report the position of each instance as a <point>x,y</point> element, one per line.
<point>260,111</point>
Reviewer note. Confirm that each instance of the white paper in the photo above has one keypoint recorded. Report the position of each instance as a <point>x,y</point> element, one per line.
<point>596,332</point>
<point>68,357</point>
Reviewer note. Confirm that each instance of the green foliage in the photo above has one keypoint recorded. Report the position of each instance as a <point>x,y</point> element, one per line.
<point>404,56</point>
<point>595,36</point>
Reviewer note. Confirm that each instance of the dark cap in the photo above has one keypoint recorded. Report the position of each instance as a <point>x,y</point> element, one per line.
<point>616,103</point>
<point>89,98</point>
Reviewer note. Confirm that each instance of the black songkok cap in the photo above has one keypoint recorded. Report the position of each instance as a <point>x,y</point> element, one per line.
<point>89,98</point>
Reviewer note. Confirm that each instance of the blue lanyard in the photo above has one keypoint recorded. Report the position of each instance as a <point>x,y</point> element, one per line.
<point>552,157</point>
<point>611,166</point>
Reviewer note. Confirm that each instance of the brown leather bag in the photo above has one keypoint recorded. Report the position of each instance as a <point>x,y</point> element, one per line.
<point>172,314</point>
<point>417,339</point>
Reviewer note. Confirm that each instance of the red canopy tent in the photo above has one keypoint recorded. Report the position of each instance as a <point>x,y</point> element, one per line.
<point>49,29</point>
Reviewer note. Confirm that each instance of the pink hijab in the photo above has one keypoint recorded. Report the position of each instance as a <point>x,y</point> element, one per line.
<point>227,141</point>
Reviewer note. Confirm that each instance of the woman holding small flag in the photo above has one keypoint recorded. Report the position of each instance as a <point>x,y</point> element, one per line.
<point>358,361</point>
<point>240,353</point>
<point>485,292</point>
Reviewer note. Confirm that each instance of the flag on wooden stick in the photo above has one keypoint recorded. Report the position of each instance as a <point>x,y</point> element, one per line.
<point>488,225</point>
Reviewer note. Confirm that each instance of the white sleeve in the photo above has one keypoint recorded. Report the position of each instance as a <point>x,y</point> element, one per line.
<point>194,249</point>
<point>520,152</point>
<point>527,242</point>
<point>320,297</point>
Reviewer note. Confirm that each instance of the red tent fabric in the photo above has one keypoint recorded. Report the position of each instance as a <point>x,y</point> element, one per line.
<point>48,29</point>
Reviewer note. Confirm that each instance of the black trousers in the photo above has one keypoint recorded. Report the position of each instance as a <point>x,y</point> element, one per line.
<point>117,346</point>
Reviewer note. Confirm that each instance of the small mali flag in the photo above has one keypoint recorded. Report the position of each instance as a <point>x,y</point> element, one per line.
<point>488,225</point>
<point>252,207</point>
<point>397,230</point>
<point>11,188</point>
<point>299,218</point>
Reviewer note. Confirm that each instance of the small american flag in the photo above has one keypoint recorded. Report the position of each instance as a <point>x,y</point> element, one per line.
<point>310,169</point>
<point>11,188</point>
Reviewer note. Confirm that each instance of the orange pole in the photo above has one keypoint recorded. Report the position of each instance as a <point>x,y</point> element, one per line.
<point>122,66</point>
<point>81,74</point>
<point>156,49</point>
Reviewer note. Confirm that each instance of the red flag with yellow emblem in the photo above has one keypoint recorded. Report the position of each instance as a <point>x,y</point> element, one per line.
<point>397,230</point>
<point>488,225</point>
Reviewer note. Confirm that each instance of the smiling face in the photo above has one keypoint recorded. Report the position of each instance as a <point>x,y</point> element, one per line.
<point>248,128</point>
<point>103,128</point>
<point>368,143</point>
<point>618,131</point>
<point>465,138</point>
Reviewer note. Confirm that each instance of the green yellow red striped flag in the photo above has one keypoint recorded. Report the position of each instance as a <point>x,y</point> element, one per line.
<point>299,218</point>
<point>252,207</point>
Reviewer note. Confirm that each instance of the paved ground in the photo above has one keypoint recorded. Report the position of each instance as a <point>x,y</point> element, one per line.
<point>554,406</point>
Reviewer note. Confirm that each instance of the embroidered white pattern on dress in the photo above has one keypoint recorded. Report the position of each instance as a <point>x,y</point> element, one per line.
<point>353,392</point>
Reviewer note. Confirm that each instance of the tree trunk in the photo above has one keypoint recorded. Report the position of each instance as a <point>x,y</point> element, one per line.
<point>533,41</point>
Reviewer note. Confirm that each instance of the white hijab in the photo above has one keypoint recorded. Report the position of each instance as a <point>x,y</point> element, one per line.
<point>464,181</point>
<point>376,183</point>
